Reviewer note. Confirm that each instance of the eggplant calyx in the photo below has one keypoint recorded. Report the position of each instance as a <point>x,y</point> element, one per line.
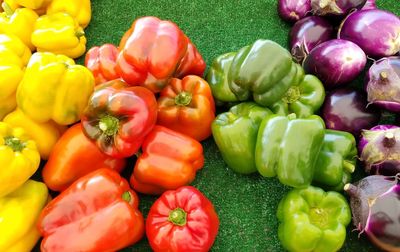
<point>351,190</point>
<point>299,52</point>
<point>294,15</point>
<point>383,77</point>
<point>324,7</point>
<point>389,140</point>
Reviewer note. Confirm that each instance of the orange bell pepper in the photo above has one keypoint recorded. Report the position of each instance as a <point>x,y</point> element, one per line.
<point>169,160</point>
<point>187,106</point>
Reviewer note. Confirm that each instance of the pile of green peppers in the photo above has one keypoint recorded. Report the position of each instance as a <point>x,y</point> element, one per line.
<point>271,128</point>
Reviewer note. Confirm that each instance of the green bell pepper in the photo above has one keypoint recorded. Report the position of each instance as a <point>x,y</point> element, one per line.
<point>336,160</point>
<point>217,77</point>
<point>235,133</point>
<point>303,98</point>
<point>288,148</point>
<point>265,70</point>
<point>313,220</point>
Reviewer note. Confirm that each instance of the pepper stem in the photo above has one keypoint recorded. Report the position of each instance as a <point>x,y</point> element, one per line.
<point>348,166</point>
<point>183,99</point>
<point>389,140</point>
<point>109,125</point>
<point>178,217</point>
<point>79,33</point>
<point>127,196</point>
<point>7,9</point>
<point>292,116</point>
<point>292,95</point>
<point>14,143</point>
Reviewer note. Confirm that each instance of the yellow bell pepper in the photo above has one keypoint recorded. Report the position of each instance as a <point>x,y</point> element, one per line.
<point>14,56</point>
<point>19,22</point>
<point>59,33</point>
<point>54,88</point>
<point>44,134</point>
<point>19,213</point>
<point>79,9</point>
<point>14,4</point>
<point>19,158</point>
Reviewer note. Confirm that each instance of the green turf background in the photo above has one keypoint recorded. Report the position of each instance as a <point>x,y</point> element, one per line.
<point>246,204</point>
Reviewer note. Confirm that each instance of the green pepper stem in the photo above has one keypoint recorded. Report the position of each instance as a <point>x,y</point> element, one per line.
<point>79,33</point>
<point>183,99</point>
<point>127,196</point>
<point>348,166</point>
<point>14,143</point>
<point>292,116</point>
<point>178,217</point>
<point>292,95</point>
<point>109,125</point>
<point>7,9</point>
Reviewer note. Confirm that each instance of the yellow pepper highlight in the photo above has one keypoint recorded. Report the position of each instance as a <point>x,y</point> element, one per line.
<point>19,22</point>
<point>19,158</point>
<point>14,4</point>
<point>59,33</point>
<point>14,56</point>
<point>79,9</point>
<point>54,88</point>
<point>44,134</point>
<point>19,213</point>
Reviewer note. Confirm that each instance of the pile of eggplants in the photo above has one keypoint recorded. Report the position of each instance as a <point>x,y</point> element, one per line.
<point>336,40</point>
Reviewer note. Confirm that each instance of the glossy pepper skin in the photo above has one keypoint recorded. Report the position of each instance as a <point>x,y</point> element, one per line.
<point>336,161</point>
<point>288,148</point>
<point>264,70</point>
<point>49,88</point>
<point>78,9</point>
<point>19,212</point>
<point>31,4</point>
<point>118,118</point>
<point>45,134</point>
<point>182,220</point>
<point>59,33</point>
<point>19,158</point>
<point>14,56</point>
<point>99,212</point>
<point>101,60</point>
<point>74,156</point>
<point>168,161</point>
<point>313,220</point>
<point>153,51</point>
<point>187,106</point>
<point>217,77</point>
<point>235,133</point>
<point>19,22</point>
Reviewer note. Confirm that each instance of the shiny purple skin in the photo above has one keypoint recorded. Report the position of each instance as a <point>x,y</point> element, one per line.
<point>346,110</point>
<point>335,62</point>
<point>375,206</point>
<point>387,146</point>
<point>335,7</point>
<point>293,10</point>
<point>369,5</point>
<point>382,83</point>
<point>376,31</point>
<point>306,34</point>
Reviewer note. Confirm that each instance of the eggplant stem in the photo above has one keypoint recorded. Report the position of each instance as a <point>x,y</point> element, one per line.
<point>389,141</point>
<point>350,189</point>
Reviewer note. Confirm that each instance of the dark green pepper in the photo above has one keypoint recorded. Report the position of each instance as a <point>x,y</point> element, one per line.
<point>235,133</point>
<point>288,148</point>
<point>313,220</point>
<point>336,161</point>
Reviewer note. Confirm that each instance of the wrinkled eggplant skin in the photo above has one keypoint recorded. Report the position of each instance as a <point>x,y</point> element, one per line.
<point>375,31</point>
<point>369,5</point>
<point>335,62</point>
<point>335,7</point>
<point>363,141</point>
<point>307,33</point>
<point>346,109</point>
<point>293,10</point>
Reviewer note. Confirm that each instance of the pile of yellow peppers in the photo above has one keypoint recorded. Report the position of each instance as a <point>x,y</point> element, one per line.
<point>39,81</point>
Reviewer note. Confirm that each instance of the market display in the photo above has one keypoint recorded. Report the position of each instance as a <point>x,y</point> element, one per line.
<point>132,120</point>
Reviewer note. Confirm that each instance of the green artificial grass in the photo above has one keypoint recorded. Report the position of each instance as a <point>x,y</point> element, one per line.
<point>246,205</point>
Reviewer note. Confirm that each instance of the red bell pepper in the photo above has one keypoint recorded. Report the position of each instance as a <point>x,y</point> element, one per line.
<point>187,106</point>
<point>102,61</point>
<point>99,212</point>
<point>182,220</point>
<point>118,117</point>
<point>153,51</point>
<point>169,160</point>
<point>73,156</point>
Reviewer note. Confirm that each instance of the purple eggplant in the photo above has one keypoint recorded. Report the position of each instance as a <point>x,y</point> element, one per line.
<point>335,7</point>
<point>379,149</point>
<point>369,5</point>
<point>375,206</point>
<point>307,33</point>
<point>293,10</point>
<point>335,62</point>
<point>376,31</point>
<point>383,83</point>
<point>346,110</point>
